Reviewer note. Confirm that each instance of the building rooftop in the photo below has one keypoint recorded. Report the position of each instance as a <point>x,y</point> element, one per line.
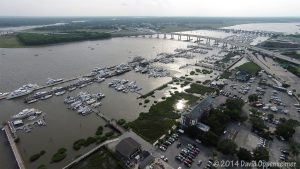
<point>197,111</point>
<point>127,146</point>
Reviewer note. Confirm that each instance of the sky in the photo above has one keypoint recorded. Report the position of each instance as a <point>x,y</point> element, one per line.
<point>226,8</point>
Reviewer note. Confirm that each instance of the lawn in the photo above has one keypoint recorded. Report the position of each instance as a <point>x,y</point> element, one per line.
<point>292,54</point>
<point>249,67</point>
<point>199,89</point>
<point>104,159</point>
<point>10,41</point>
<point>160,118</point>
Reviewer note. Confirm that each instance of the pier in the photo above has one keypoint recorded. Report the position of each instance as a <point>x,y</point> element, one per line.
<point>89,153</point>
<point>112,123</point>
<point>11,140</point>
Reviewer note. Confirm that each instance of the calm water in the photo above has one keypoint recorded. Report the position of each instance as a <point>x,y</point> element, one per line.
<point>287,28</point>
<point>35,65</point>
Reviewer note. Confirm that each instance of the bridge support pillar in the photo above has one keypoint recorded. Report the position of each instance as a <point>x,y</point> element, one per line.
<point>179,37</point>
<point>165,36</point>
<point>157,36</point>
<point>150,36</point>
<point>172,36</point>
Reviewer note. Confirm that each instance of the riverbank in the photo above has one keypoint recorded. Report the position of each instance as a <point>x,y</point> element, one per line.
<point>23,39</point>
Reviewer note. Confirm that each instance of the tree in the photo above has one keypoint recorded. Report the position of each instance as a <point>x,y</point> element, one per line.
<point>234,104</point>
<point>270,117</point>
<point>261,153</point>
<point>244,154</point>
<point>257,124</point>
<point>285,130</point>
<point>227,146</point>
<point>253,98</point>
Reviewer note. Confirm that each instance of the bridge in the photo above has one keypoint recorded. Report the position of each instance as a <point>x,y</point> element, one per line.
<point>13,146</point>
<point>89,153</point>
<point>187,37</point>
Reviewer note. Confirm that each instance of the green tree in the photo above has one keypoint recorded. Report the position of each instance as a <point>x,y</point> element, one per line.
<point>253,98</point>
<point>244,154</point>
<point>286,128</point>
<point>227,146</point>
<point>261,153</point>
<point>234,104</point>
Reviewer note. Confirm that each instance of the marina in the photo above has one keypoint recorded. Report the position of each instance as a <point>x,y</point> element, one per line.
<point>90,71</point>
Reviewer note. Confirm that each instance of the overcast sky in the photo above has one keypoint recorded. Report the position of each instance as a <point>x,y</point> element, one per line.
<point>149,7</point>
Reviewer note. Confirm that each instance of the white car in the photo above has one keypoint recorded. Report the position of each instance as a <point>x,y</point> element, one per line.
<point>290,93</point>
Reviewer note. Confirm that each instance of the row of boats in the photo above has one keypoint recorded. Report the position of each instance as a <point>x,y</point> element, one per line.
<point>84,102</point>
<point>124,85</point>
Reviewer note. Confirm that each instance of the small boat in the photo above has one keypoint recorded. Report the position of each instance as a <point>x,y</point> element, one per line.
<point>60,93</point>
<point>94,105</point>
<point>46,97</point>
<point>71,88</point>
<point>32,101</point>
<point>91,101</point>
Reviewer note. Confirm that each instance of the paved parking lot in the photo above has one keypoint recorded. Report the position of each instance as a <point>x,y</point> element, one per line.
<point>243,90</point>
<point>204,154</point>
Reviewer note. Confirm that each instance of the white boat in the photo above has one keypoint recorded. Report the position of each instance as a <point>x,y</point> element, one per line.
<point>94,105</point>
<point>91,101</point>
<point>3,94</point>
<point>60,93</point>
<point>24,90</point>
<point>72,88</point>
<point>46,97</point>
<point>32,101</point>
<point>26,113</point>
<point>53,81</point>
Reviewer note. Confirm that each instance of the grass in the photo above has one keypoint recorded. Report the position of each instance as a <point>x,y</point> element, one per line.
<point>292,54</point>
<point>160,118</point>
<point>10,41</point>
<point>103,159</point>
<point>199,89</point>
<point>225,75</point>
<point>250,67</point>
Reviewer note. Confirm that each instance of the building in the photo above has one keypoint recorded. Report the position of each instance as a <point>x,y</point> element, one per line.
<point>242,76</point>
<point>128,148</point>
<point>193,117</point>
<point>146,162</point>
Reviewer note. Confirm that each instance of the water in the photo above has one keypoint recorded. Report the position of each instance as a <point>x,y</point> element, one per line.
<point>287,28</point>
<point>35,65</point>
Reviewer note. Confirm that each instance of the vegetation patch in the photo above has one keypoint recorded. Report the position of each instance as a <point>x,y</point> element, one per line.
<point>32,39</point>
<point>249,67</point>
<point>199,89</point>
<point>225,75</point>
<point>10,41</point>
<point>36,156</point>
<point>59,155</point>
<point>103,159</point>
<point>160,118</point>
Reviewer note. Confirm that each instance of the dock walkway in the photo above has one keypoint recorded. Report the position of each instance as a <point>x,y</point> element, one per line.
<point>14,148</point>
<point>89,153</point>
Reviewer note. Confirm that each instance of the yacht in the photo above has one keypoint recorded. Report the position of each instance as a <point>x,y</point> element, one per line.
<point>60,93</point>
<point>94,105</point>
<point>91,101</point>
<point>46,97</point>
<point>53,81</point>
<point>24,90</point>
<point>26,113</point>
<point>71,88</point>
<point>32,101</point>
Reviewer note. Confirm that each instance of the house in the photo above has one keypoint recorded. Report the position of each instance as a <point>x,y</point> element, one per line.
<point>128,148</point>
<point>193,117</point>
